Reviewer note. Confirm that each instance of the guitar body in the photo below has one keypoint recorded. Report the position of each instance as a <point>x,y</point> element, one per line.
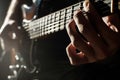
<point>51,48</point>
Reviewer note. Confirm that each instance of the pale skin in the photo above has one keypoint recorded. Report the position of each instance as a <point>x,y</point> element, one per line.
<point>102,36</point>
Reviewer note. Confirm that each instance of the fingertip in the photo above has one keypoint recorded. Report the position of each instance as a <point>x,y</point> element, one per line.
<point>86,5</point>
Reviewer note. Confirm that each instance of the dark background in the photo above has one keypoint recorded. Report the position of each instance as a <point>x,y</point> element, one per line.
<point>4,4</point>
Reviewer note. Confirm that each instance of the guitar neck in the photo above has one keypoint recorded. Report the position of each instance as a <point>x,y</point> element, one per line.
<point>57,21</point>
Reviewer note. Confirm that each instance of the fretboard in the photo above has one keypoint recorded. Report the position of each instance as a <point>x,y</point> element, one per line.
<point>57,21</point>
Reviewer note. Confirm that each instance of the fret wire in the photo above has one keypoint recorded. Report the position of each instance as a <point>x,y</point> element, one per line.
<point>54,29</point>
<point>53,26</point>
<point>53,17</point>
<point>57,15</point>
<point>46,20</point>
<point>49,19</point>
<point>42,22</point>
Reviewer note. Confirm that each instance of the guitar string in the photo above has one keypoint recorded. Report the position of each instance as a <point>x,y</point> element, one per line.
<point>42,32</point>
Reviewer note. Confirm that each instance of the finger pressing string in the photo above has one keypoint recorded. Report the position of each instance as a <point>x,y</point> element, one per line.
<point>89,33</point>
<point>78,42</point>
<point>108,36</point>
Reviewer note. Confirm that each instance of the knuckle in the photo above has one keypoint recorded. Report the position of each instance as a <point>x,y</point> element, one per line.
<point>75,42</point>
<point>69,25</point>
<point>77,13</point>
